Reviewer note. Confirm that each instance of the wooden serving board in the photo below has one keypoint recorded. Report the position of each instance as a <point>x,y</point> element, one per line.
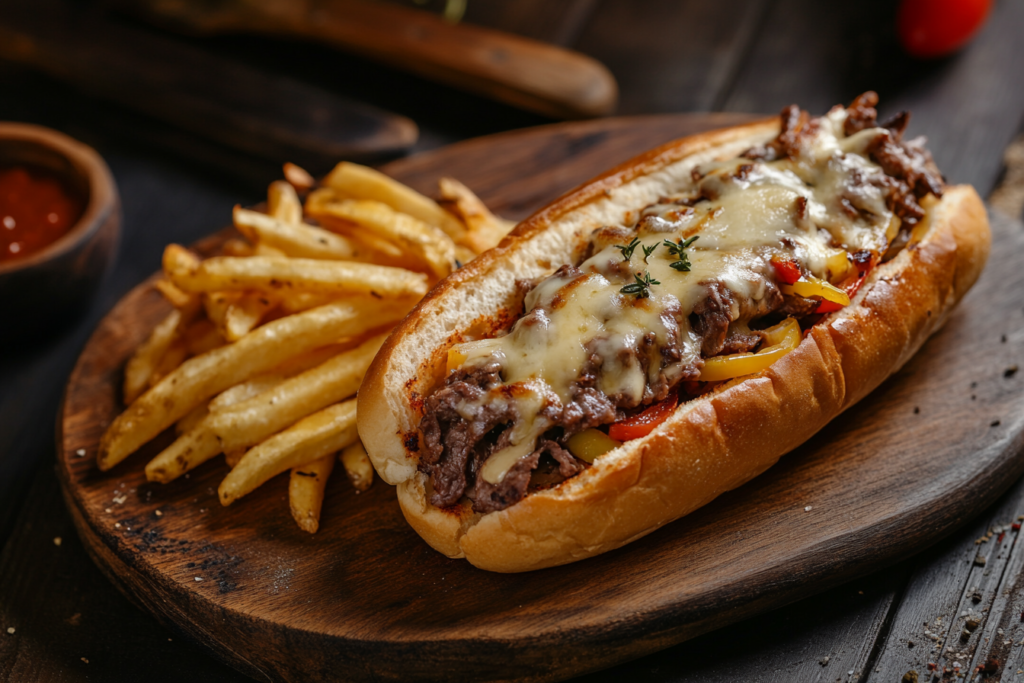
<point>366,599</point>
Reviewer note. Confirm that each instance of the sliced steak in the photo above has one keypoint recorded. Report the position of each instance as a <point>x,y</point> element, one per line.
<point>449,439</point>
<point>489,497</point>
<point>740,343</point>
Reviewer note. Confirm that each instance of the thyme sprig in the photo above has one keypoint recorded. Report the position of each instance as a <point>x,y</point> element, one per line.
<point>641,288</point>
<point>628,249</point>
<point>678,249</point>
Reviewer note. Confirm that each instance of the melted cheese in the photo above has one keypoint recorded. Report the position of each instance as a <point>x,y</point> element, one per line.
<point>815,209</point>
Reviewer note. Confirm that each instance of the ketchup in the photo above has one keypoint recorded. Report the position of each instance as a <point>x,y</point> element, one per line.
<point>36,208</point>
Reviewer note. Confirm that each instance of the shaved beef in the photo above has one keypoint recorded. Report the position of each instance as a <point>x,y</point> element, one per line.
<point>897,123</point>
<point>489,497</point>
<point>797,306</point>
<point>796,125</point>
<point>449,439</point>
<point>589,407</point>
<point>711,318</point>
<point>712,315</point>
<point>907,161</point>
<point>740,343</point>
<point>861,113</point>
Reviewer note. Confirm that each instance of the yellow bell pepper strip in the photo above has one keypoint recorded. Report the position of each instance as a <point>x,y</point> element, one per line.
<point>455,358</point>
<point>590,443</point>
<point>779,340</point>
<point>812,286</point>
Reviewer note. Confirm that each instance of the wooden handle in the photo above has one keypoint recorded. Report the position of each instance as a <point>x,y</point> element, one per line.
<point>526,73</point>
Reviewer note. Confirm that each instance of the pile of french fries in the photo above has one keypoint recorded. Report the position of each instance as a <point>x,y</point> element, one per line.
<point>266,347</point>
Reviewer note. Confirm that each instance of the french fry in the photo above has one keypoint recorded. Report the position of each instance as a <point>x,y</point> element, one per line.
<point>197,444</point>
<point>313,437</point>
<point>264,249</point>
<point>245,314</point>
<point>187,452</point>
<point>202,336</point>
<point>357,466</point>
<point>484,230</point>
<point>173,357</point>
<point>306,492</point>
<point>271,274</point>
<point>311,359</point>
<point>294,239</point>
<point>143,363</point>
<point>299,177</point>
<point>253,420</point>
<point>283,202</point>
<point>237,419</point>
<point>244,391</point>
<point>353,181</point>
<point>293,302</point>
<point>266,347</point>
<point>429,245</point>
<point>191,419</point>
<point>216,305</point>
<point>375,249</point>
<point>232,458</point>
<point>237,247</point>
<point>175,296</point>
<point>291,367</point>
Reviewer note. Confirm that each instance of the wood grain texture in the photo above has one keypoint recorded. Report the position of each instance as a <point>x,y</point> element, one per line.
<point>210,96</point>
<point>365,596</point>
<point>552,22</point>
<point>525,73</point>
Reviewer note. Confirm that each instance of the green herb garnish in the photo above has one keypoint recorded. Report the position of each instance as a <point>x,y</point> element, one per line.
<point>642,287</point>
<point>678,249</point>
<point>627,250</point>
<point>648,251</point>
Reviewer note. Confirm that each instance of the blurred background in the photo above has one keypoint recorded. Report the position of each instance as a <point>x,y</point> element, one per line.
<point>237,85</point>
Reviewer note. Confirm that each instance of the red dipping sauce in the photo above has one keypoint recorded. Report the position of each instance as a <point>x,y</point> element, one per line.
<point>36,209</point>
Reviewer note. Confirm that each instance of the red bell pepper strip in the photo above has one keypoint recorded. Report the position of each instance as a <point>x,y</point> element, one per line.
<point>643,423</point>
<point>787,270</point>
<point>851,289</point>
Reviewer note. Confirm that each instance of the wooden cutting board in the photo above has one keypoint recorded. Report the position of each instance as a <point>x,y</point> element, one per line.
<point>366,599</point>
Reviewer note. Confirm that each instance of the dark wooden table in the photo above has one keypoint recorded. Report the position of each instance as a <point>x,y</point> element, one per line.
<point>60,620</point>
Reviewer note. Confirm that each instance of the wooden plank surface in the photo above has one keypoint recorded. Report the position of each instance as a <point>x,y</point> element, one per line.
<point>858,496</point>
<point>178,186</point>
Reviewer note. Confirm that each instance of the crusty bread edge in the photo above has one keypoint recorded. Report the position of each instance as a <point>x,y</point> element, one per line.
<point>710,445</point>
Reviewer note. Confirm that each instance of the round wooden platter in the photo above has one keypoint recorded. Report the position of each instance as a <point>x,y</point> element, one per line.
<point>366,599</point>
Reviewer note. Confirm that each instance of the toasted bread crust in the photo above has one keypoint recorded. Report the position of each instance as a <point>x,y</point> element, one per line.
<point>711,444</point>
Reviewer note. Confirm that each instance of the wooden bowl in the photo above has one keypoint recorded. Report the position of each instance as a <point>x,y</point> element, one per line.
<point>50,288</point>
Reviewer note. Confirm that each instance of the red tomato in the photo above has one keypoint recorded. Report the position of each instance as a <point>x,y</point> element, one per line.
<point>932,28</point>
<point>643,423</point>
